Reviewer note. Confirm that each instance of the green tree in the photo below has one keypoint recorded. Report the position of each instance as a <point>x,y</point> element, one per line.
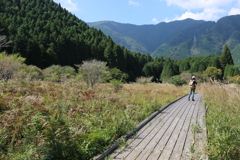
<point>184,65</point>
<point>92,71</point>
<point>170,69</point>
<point>120,59</point>
<point>109,55</point>
<point>153,69</point>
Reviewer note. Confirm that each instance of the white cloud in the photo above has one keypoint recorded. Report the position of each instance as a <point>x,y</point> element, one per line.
<point>234,11</point>
<point>134,3</point>
<point>155,21</point>
<point>68,4</point>
<point>208,14</point>
<point>199,4</point>
<point>204,9</point>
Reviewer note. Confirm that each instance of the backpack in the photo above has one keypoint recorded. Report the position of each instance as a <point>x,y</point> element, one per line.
<point>191,84</point>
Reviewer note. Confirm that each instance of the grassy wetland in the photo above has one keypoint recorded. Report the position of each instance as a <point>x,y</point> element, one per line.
<point>49,120</point>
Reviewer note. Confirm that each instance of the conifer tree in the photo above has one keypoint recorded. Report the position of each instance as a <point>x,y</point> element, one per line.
<point>170,69</point>
<point>226,57</point>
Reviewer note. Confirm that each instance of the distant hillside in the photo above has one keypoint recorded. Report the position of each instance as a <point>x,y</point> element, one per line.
<point>143,38</point>
<point>177,39</point>
<point>211,41</point>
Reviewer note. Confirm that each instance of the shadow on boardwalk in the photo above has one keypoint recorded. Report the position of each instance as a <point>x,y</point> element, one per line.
<point>177,132</point>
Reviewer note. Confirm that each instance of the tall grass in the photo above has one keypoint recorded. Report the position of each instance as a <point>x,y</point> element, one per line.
<point>48,120</point>
<point>223,117</point>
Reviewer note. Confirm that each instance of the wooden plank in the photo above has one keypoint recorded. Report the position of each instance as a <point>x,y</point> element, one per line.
<point>172,143</point>
<point>143,133</point>
<point>144,145</point>
<point>187,150</point>
<point>167,138</point>
<point>178,149</point>
<point>162,134</point>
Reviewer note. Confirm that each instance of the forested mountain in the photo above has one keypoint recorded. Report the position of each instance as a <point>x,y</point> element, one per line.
<point>178,39</point>
<point>45,34</point>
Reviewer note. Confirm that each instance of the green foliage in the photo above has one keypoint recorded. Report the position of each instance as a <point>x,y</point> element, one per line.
<point>153,69</point>
<point>231,71</point>
<point>170,69</point>
<point>61,144</point>
<point>115,74</point>
<point>213,73</point>
<point>184,66</point>
<point>177,81</point>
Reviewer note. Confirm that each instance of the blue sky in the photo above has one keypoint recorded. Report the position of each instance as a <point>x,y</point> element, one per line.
<point>142,12</point>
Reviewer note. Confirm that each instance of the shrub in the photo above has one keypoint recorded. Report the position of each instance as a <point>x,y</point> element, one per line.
<point>29,73</point>
<point>178,81</point>
<point>213,73</point>
<point>115,74</point>
<point>57,73</point>
<point>9,65</point>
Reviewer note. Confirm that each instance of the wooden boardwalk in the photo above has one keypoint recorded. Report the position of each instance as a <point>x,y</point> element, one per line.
<point>177,132</point>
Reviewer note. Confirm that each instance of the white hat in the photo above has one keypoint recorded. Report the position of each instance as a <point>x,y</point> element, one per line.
<point>193,77</point>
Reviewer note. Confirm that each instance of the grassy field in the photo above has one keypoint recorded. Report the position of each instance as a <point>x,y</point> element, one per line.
<point>46,120</point>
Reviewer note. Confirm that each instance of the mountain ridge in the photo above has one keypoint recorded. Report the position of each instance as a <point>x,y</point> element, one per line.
<point>177,39</point>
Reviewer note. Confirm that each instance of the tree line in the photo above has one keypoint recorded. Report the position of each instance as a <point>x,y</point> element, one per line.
<point>213,66</point>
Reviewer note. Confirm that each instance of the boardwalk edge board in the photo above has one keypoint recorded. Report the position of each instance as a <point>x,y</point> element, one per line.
<point>115,145</point>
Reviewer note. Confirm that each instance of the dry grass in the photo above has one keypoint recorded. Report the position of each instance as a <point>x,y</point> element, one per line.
<point>223,110</point>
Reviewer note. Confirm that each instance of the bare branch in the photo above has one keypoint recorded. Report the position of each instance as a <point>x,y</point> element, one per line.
<point>3,41</point>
